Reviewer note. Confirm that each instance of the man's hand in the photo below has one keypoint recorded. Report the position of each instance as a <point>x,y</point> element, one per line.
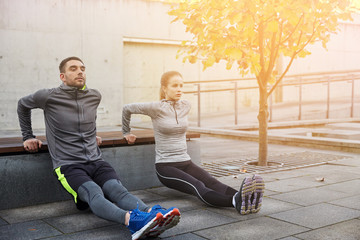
<point>130,138</point>
<point>98,140</point>
<point>32,145</point>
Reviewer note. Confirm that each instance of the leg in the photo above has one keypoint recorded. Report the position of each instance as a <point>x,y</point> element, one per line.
<point>76,180</point>
<point>209,181</point>
<point>139,223</point>
<point>91,193</point>
<point>117,193</point>
<point>173,177</point>
<point>106,177</point>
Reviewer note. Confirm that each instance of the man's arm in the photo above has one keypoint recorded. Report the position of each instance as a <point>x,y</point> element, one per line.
<point>25,105</point>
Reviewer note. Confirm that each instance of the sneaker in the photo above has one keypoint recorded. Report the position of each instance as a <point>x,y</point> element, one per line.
<point>243,197</point>
<point>140,223</point>
<point>256,199</point>
<point>171,218</point>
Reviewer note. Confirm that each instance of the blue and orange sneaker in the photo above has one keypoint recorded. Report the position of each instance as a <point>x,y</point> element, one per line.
<point>171,218</point>
<point>141,223</point>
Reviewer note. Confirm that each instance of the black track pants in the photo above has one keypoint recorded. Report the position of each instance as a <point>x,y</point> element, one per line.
<point>189,178</point>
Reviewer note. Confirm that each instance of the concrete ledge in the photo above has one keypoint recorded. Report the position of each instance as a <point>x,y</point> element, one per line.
<point>345,145</point>
<point>293,124</point>
<point>27,179</point>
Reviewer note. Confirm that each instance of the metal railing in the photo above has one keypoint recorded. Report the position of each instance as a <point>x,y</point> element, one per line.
<point>298,80</point>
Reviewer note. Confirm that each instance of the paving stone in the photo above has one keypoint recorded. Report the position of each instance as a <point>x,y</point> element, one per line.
<point>77,222</point>
<point>146,196</point>
<point>184,204</point>
<point>349,230</point>
<point>347,188</point>
<point>317,216</point>
<point>289,238</point>
<point>340,175</point>
<point>233,213</point>
<point>27,230</point>
<point>321,169</point>
<point>39,211</point>
<point>233,181</point>
<point>187,236</point>
<point>166,192</point>
<point>115,232</point>
<point>2,222</point>
<point>269,206</point>
<point>254,229</point>
<point>196,220</point>
<point>268,192</point>
<point>269,177</point>
<point>354,161</point>
<point>349,202</point>
<point>310,196</point>
<point>292,184</point>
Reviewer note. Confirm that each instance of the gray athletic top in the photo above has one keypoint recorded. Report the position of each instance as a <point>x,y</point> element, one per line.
<point>70,119</point>
<point>170,123</point>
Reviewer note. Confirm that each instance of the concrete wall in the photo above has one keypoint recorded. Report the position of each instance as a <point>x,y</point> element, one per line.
<point>343,52</point>
<point>35,35</point>
<point>126,46</point>
<point>27,179</point>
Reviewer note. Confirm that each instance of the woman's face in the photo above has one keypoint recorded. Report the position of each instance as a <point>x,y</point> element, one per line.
<point>173,90</point>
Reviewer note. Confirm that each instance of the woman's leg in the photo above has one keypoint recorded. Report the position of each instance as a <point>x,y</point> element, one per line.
<point>209,181</point>
<point>173,176</point>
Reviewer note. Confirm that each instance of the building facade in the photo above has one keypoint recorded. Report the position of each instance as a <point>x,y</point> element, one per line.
<point>126,46</point>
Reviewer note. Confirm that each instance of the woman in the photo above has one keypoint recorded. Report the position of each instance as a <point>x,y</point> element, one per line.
<point>174,167</point>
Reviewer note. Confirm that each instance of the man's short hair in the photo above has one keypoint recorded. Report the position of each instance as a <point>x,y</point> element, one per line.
<point>63,62</point>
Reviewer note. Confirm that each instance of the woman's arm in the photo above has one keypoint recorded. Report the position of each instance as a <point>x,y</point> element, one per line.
<point>150,109</point>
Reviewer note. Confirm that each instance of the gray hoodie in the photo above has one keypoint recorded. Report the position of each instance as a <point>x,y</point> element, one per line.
<point>70,120</point>
<point>170,122</point>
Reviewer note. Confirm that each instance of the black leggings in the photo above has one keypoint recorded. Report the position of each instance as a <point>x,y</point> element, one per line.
<point>189,178</point>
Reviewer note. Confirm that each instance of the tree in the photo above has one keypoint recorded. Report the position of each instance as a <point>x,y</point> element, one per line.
<point>253,34</point>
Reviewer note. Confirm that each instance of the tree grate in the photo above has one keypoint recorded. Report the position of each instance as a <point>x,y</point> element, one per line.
<point>282,162</point>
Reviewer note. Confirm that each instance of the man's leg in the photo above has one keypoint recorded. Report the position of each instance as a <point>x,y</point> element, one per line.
<point>117,193</point>
<point>91,193</point>
<point>75,179</point>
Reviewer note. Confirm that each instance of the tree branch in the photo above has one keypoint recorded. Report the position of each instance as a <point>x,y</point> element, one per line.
<point>288,37</point>
<point>273,55</point>
<point>262,60</point>
<point>282,75</point>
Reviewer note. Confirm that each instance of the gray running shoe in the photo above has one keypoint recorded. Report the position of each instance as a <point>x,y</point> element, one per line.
<point>243,197</point>
<point>256,198</point>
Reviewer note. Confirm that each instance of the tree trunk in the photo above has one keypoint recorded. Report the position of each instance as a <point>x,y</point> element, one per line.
<point>263,127</point>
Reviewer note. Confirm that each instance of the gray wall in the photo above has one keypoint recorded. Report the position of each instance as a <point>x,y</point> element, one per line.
<point>35,35</point>
<point>126,46</point>
<point>27,179</point>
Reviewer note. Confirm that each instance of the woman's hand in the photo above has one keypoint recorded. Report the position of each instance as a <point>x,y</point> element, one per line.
<point>130,138</point>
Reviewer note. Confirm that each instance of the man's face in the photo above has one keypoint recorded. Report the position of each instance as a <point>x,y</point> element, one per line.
<point>74,75</point>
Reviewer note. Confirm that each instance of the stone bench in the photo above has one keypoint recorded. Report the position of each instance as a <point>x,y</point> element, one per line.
<point>27,178</point>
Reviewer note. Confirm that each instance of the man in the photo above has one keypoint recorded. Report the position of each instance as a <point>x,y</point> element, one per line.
<point>70,119</point>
